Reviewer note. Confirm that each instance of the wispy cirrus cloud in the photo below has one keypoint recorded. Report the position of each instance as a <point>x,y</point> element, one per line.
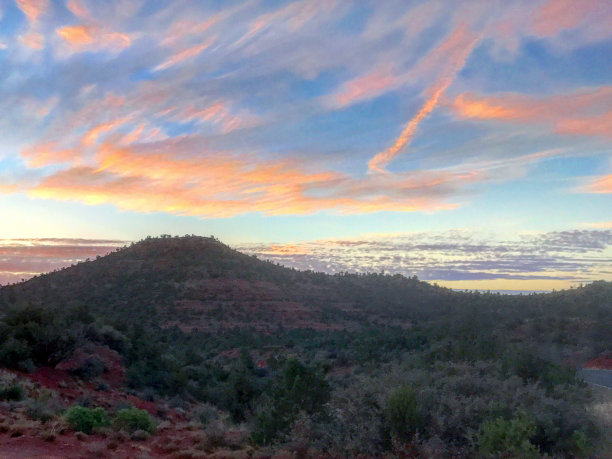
<point>187,53</point>
<point>599,185</point>
<point>455,49</point>
<point>584,112</point>
<point>279,103</point>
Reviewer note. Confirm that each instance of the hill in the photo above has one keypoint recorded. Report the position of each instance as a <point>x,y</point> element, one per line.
<point>201,284</point>
<point>226,351</point>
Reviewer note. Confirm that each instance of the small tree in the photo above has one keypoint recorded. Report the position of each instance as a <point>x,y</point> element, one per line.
<point>297,388</point>
<point>403,414</point>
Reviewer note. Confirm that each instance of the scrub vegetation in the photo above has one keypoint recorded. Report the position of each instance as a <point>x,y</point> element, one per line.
<point>177,338</point>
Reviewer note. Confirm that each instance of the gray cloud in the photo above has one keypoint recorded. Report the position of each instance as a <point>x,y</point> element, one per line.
<point>455,255</point>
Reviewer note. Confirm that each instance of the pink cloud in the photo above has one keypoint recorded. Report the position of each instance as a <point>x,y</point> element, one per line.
<point>77,8</point>
<point>223,185</point>
<point>219,113</point>
<point>454,51</point>
<point>364,87</point>
<point>33,40</point>
<point>184,28</point>
<point>555,16</point>
<point>585,112</point>
<point>46,154</point>
<point>185,54</point>
<point>33,9</point>
<point>601,185</point>
<point>94,133</point>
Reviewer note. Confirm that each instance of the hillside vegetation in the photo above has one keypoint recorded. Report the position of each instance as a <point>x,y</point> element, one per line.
<point>216,351</point>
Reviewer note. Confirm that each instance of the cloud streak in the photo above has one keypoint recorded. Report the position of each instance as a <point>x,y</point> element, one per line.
<point>584,112</point>
<point>456,49</point>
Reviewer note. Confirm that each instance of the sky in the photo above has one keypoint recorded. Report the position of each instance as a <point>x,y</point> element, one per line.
<point>467,143</point>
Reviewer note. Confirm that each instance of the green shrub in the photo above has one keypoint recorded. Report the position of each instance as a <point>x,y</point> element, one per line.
<point>269,424</point>
<point>403,414</point>
<point>581,443</point>
<point>508,438</point>
<point>12,392</point>
<point>133,419</point>
<point>85,420</point>
<point>296,388</point>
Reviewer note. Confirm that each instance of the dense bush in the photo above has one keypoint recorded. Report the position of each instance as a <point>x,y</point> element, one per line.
<point>83,419</point>
<point>34,335</point>
<point>133,419</point>
<point>508,438</point>
<point>404,415</point>
<point>90,368</point>
<point>296,388</point>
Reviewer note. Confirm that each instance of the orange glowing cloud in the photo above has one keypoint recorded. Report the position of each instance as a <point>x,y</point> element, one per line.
<point>93,134</point>
<point>91,37</point>
<point>76,35</point>
<point>456,49</point>
<point>378,162</point>
<point>470,107</point>
<point>287,249</point>
<point>133,135</point>
<point>221,172</point>
<point>219,113</point>
<point>33,9</point>
<point>223,185</point>
<point>600,186</point>
<point>46,154</point>
<point>585,112</point>
<point>185,54</point>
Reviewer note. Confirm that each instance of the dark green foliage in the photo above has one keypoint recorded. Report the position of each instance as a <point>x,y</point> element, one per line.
<point>133,419</point>
<point>86,420</point>
<point>37,334</point>
<point>239,391</point>
<point>296,388</point>
<point>12,392</point>
<point>90,368</point>
<point>508,438</point>
<point>404,415</point>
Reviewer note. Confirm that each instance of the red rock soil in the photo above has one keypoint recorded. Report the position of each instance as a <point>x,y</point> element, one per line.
<point>28,440</point>
<point>601,363</point>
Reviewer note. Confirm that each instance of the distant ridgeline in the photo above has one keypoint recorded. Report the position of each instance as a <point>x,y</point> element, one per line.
<point>277,349</point>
